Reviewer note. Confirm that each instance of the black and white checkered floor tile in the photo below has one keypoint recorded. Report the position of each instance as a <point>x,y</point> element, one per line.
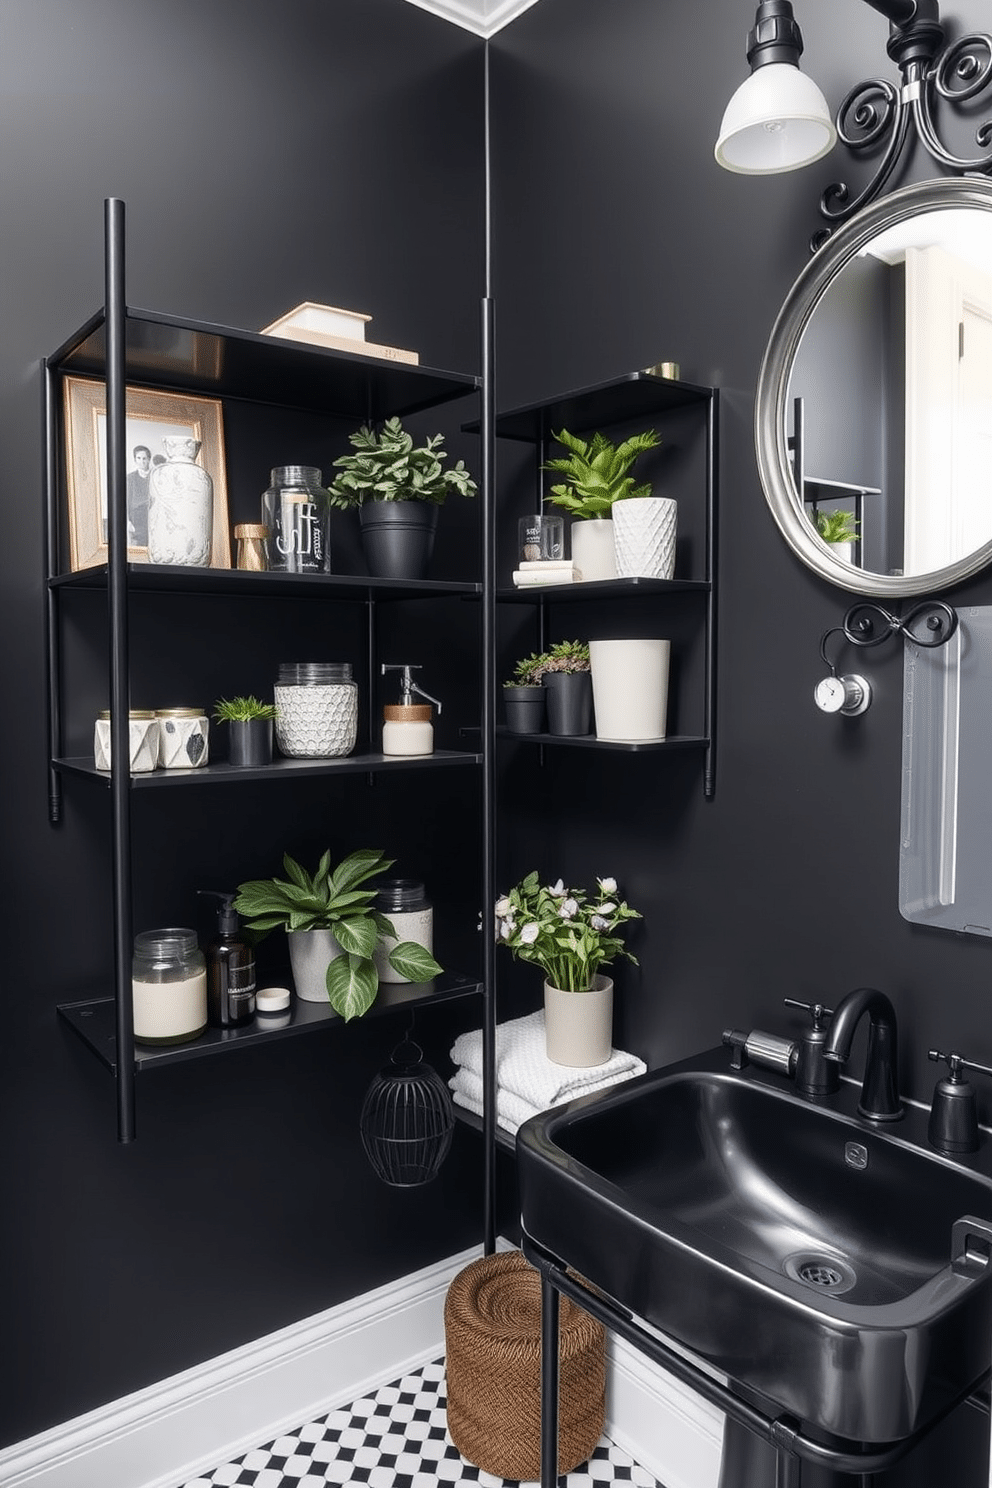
<point>394,1438</point>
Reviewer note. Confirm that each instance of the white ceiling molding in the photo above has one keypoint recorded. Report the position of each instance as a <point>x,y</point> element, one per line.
<point>484,17</point>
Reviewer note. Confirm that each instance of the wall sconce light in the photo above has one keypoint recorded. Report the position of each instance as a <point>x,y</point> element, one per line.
<point>875,114</point>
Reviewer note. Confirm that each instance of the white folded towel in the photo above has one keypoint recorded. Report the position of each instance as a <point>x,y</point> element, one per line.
<point>530,578</point>
<point>511,1110</point>
<point>524,1069</point>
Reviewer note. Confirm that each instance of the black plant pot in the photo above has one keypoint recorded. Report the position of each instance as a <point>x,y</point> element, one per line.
<point>398,537</point>
<point>250,741</point>
<point>569,699</point>
<point>525,709</point>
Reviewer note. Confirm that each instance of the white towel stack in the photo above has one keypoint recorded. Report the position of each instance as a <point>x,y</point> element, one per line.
<point>534,571</point>
<point>526,1080</point>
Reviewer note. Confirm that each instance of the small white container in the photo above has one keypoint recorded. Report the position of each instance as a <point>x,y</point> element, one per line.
<point>316,709</point>
<point>183,738</point>
<point>168,986</point>
<point>630,689</point>
<point>407,730</point>
<point>593,552</point>
<point>143,731</point>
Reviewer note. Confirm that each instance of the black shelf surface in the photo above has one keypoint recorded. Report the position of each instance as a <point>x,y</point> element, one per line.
<point>637,395</point>
<point>504,1139</point>
<point>241,582</point>
<point>589,741</point>
<point>601,589</point>
<point>220,361</point>
<point>280,769</point>
<point>94,1022</point>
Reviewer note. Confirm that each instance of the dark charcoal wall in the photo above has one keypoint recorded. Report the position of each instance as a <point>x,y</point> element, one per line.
<point>267,154</point>
<point>620,243</point>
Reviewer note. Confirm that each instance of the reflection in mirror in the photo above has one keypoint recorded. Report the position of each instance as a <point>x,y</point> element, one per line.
<point>873,420</point>
<point>891,396</point>
<point>945,851</point>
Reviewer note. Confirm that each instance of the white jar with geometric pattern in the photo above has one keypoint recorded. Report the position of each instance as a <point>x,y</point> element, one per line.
<point>644,537</point>
<point>316,709</point>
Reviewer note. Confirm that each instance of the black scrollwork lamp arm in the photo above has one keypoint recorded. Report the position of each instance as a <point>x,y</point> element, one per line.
<point>930,623</point>
<point>878,114</point>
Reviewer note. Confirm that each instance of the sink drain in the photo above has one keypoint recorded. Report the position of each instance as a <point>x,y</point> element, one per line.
<point>824,1273</point>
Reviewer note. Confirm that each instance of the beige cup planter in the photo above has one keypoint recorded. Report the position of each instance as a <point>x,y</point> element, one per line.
<point>593,551</point>
<point>630,689</point>
<point>578,1026</point>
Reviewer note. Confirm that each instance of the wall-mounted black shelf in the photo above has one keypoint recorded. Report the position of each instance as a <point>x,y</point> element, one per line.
<point>228,582</point>
<point>93,1020</point>
<point>279,770</point>
<point>589,741</point>
<point>636,395</point>
<point>164,351</point>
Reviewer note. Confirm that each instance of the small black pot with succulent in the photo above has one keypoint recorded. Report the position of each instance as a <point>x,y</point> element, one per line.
<point>524,697</point>
<point>398,488</point>
<point>556,682</point>
<point>249,730</point>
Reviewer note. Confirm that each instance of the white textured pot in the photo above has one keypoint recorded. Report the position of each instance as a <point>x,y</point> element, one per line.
<point>593,548</point>
<point>578,1026</point>
<point>644,529</point>
<point>310,954</point>
<point>630,689</point>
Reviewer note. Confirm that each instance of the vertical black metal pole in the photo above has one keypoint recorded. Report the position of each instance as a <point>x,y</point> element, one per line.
<point>488,518</point>
<point>788,1469</point>
<point>550,1301</point>
<point>120,774</point>
<point>371,674</point>
<point>53,650</point>
<point>712,479</point>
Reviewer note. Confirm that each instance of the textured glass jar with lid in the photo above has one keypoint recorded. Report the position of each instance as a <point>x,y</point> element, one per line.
<point>404,902</point>
<point>168,986</point>
<point>316,709</point>
<point>296,510</point>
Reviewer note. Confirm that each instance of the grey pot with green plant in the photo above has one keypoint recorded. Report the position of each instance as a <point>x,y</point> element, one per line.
<point>596,476</point>
<point>333,929</point>
<point>567,682</point>
<point>524,697</point>
<point>398,487</point>
<point>249,730</point>
<point>836,527</point>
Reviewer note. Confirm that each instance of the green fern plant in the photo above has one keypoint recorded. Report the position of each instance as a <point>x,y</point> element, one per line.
<point>386,466</point>
<point>836,526</point>
<point>597,472</point>
<point>332,899</point>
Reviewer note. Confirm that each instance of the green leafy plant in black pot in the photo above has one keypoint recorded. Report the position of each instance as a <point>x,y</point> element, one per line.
<point>567,681</point>
<point>333,929</point>
<point>249,729</point>
<point>398,487</point>
<point>524,698</point>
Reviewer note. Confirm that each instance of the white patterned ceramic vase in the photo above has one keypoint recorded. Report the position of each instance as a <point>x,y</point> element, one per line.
<point>143,740</point>
<point>319,721</point>
<point>183,739</point>
<point>310,954</point>
<point>592,548</point>
<point>180,507</point>
<point>578,1026</point>
<point>644,530</point>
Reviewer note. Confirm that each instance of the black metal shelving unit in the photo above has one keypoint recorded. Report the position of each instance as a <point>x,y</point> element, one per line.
<point>124,347</point>
<point>636,396</point>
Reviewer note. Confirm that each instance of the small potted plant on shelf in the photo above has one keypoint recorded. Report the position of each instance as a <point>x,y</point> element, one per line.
<point>249,729</point>
<point>839,530</point>
<point>524,695</point>
<point>333,929</point>
<point>597,475</point>
<point>567,681</point>
<point>398,488</point>
<point>572,936</point>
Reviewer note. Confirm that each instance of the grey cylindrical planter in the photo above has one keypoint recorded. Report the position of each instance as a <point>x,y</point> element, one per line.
<point>569,699</point>
<point>249,741</point>
<point>398,537</point>
<point>525,709</point>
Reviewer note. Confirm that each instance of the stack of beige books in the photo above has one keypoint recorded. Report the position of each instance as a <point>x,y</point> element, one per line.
<point>340,330</point>
<point>533,571</point>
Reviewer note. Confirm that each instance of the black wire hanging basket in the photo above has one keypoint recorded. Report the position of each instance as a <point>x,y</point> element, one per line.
<point>407,1119</point>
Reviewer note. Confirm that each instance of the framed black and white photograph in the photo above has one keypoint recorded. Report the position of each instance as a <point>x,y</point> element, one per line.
<point>156,423</point>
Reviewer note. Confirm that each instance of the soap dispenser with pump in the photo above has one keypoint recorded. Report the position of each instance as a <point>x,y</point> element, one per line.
<point>230,968</point>
<point>407,728</point>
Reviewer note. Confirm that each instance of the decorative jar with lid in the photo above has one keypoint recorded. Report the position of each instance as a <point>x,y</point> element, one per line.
<point>316,709</point>
<point>169,986</point>
<point>183,738</point>
<point>296,510</point>
<point>143,734</point>
<point>405,903</point>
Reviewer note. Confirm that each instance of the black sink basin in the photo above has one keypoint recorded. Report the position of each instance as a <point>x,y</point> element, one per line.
<point>840,1271</point>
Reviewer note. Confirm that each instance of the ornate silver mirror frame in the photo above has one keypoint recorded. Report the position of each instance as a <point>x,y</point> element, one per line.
<point>771,400</point>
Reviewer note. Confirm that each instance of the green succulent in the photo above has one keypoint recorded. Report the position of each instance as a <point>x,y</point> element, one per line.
<point>242,709</point>
<point>836,526</point>
<point>596,472</point>
<point>331,899</point>
<point>385,466</point>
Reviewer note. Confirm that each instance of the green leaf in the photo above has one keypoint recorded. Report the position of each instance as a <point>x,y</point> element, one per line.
<point>295,873</point>
<point>414,962</point>
<point>358,867</point>
<point>352,984</point>
<point>357,935</point>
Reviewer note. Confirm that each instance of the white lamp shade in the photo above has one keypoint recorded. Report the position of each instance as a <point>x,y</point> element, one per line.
<point>777,120</point>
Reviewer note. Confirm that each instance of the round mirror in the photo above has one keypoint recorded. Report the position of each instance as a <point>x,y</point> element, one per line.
<point>873,415</point>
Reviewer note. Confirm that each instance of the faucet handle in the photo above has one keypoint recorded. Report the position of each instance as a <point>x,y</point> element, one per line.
<point>956,1063</point>
<point>953,1125</point>
<point>816,1010</point>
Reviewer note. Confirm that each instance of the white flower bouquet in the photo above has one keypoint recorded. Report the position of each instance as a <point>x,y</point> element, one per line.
<point>570,934</point>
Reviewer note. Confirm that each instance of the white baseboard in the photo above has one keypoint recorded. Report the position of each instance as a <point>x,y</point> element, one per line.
<point>189,1424</point>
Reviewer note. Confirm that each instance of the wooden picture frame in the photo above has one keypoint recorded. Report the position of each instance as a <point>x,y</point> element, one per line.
<point>150,417</point>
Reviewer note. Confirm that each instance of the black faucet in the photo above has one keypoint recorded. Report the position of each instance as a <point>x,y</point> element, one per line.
<point>880,1087</point>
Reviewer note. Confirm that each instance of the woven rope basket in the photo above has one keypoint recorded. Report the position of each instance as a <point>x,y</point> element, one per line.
<point>492,1326</point>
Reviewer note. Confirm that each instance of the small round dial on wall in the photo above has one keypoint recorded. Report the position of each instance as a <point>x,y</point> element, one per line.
<point>847,695</point>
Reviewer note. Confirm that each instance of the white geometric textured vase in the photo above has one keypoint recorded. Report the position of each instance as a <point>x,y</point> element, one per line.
<point>644,537</point>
